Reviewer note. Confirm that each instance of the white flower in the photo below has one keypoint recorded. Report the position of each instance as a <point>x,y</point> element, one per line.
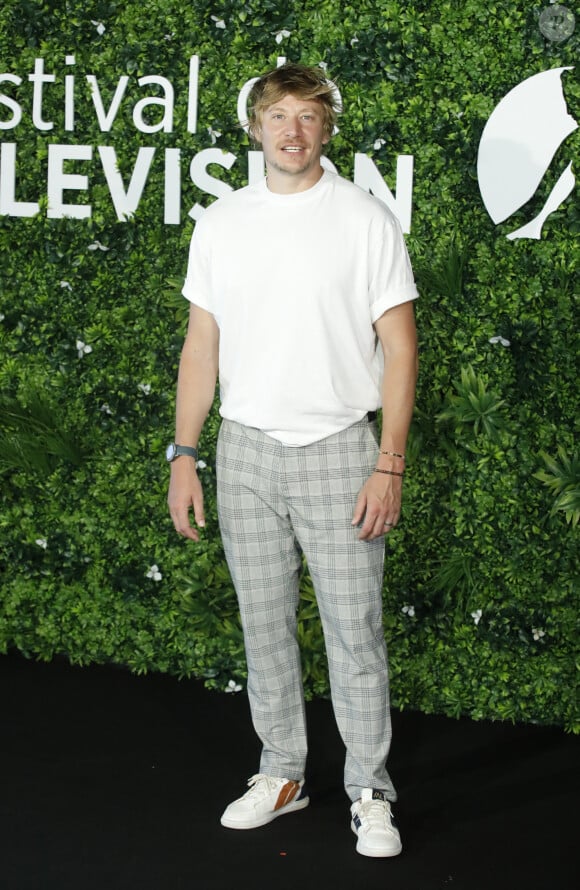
<point>214,135</point>
<point>65,284</point>
<point>409,610</point>
<point>233,687</point>
<point>99,26</point>
<point>2,316</point>
<point>201,465</point>
<point>280,35</point>
<point>83,348</point>
<point>353,41</point>
<point>154,573</point>
<point>105,408</point>
<point>378,143</point>
<point>498,339</point>
<point>145,388</point>
<point>96,245</point>
<point>477,616</point>
<point>538,633</point>
<point>219,23</point>
<point>42,542</point>
<point>323,65</point>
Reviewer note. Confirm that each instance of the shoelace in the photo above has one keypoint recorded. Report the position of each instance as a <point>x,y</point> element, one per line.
<point>260,786</point>
<point>375,813</point>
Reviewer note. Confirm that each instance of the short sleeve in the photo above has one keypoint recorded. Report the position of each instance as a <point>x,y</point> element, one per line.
<point>197,286</point>
<point>391,280</point>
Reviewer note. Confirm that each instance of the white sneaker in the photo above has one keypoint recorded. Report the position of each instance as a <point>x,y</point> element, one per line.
<point>268,798</point>
<point>373,824</point>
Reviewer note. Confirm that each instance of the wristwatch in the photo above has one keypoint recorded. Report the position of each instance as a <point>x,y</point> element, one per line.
<point>174,451</point>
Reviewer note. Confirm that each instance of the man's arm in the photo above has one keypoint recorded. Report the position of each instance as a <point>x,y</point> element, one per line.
<point>379,501</point>
<point>196,383</point>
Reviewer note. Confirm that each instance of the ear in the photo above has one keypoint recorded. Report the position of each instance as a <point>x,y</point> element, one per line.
<point>255,134</point>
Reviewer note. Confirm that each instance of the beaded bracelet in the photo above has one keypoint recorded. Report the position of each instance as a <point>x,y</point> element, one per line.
<point>388,472</point>
<point>393,454</point>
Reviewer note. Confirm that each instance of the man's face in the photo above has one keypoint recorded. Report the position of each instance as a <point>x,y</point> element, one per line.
<point>292,135</point>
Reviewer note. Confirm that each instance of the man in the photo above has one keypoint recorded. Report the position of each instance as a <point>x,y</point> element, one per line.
<point>301,290</point>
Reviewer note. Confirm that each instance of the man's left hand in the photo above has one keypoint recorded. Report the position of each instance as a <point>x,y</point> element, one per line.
<point>378,506</point>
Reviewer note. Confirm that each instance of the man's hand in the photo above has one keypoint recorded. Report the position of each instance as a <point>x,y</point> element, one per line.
<point>378,506</point>
<point>185,492</point>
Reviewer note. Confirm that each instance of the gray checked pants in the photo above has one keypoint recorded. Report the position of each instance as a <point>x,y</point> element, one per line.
<point>276,502</point>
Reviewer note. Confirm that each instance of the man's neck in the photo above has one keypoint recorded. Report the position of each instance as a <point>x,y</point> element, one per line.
<point>282,183</point>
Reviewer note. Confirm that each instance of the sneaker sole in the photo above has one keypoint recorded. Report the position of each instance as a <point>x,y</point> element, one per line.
<point>268,817</point>
<point>372,851</point>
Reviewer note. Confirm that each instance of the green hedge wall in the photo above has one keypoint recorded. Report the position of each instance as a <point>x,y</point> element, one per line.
<point>481,582</point>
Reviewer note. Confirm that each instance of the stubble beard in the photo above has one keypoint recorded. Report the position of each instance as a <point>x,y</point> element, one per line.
<point>290,169</point>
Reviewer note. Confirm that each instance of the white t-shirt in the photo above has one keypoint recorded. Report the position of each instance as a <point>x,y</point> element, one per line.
<point>295,283</point>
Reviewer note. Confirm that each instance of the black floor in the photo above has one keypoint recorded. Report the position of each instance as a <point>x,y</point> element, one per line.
<point>116,782</point>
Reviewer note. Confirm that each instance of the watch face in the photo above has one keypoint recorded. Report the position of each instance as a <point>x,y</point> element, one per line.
<point>170,452</point>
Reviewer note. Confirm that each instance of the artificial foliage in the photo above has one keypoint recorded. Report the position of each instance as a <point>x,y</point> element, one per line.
<point>481,575</point>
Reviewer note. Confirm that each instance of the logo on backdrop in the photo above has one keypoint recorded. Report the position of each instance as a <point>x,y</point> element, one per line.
<point>517,147</point>
<point>126,190</point>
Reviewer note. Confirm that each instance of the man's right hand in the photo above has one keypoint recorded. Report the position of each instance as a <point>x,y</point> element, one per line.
<point>185,493</point>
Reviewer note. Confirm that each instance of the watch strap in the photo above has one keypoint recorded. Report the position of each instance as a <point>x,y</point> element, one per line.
<point>187,450</point>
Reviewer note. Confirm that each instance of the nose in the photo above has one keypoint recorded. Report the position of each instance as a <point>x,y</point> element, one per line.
<point>293,126</point>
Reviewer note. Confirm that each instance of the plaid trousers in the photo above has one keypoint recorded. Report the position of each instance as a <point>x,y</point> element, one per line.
<point>276,502</point>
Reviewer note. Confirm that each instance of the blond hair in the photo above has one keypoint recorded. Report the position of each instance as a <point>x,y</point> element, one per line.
<point>300,81</point>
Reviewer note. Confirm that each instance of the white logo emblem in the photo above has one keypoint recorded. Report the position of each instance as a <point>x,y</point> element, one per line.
<point>517,147</point>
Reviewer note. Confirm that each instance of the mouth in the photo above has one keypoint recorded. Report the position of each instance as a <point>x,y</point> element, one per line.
<point>293,149</point>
